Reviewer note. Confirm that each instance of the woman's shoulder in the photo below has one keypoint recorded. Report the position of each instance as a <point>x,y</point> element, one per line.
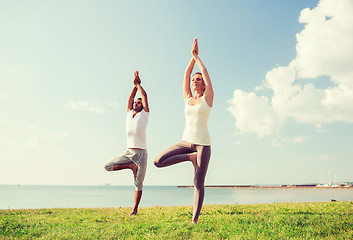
<point>208,100</point>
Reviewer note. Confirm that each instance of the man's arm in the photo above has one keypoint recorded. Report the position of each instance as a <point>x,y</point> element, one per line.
<point>137,83</point>
<point>144,97</point>
<point>130,102</point>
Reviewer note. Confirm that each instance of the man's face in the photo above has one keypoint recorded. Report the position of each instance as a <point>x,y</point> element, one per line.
<point>138,105</point>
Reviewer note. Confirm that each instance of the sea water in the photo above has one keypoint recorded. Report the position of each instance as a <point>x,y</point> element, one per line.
<point>25,196</point>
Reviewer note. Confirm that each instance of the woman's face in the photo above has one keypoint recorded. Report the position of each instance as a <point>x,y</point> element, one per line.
<point>197,82</point>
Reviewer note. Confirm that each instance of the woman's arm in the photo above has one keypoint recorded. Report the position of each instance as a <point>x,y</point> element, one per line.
<point>186,85</point>
<point>206,78</point>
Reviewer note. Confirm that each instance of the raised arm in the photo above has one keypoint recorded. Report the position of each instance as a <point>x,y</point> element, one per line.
<point>186,84</point>
<point>144,97</point>
<point>206,78</point>
<point>137,82</point>
<point>130,102</point>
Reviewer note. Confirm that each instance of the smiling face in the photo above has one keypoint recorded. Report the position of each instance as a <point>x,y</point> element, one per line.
<point>138,105</point>
<point>197,83</point>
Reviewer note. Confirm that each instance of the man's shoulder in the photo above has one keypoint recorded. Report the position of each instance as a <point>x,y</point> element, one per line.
<point>145,113</point>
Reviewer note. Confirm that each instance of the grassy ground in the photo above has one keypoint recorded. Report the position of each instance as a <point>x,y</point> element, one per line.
<point>330,220</point>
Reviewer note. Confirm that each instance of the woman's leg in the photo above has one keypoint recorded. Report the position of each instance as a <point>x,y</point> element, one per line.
<point>203,158</point>
<point>174,154</point>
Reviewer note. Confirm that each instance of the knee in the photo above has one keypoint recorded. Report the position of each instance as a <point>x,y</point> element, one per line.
<point>199,183</point>
<point>108,167</point>
<point>159,159</point>
<point>156,162</point>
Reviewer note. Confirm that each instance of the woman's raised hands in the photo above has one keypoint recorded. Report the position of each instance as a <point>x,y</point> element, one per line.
<point>195,48</point>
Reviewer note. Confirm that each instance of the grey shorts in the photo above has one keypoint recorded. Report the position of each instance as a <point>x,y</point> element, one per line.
<point>137,156</point>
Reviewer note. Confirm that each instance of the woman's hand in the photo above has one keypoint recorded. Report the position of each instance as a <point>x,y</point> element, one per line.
<point>195,48</point>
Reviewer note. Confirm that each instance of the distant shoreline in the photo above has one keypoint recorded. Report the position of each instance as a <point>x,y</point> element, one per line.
<point>280,187</point>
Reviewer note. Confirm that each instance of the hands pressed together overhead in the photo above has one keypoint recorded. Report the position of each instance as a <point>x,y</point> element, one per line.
<point>137,79</point>
<point>195,48</point>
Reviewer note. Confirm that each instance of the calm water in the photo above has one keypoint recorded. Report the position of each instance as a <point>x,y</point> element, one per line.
<point>23,197</point>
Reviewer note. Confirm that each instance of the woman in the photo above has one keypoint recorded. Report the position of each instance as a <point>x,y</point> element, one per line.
<point>196,144</point>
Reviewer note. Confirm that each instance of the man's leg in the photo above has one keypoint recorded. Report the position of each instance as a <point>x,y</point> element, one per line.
<point>138,195</point>
<point>131,166</point>
<point>121,162</point>
<point>140,160</point>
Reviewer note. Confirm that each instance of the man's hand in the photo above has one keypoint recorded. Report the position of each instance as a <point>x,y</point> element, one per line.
<point>137,79</point>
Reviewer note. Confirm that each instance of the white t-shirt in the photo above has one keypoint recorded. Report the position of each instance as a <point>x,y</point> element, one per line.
<point>136,129</point>
<point>196,116</point>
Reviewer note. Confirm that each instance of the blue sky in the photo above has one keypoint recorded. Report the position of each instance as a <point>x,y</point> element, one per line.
<point>281,70</point>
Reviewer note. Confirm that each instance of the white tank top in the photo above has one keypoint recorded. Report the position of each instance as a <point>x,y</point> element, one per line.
<point>136,129</point>
<point>196,116</point>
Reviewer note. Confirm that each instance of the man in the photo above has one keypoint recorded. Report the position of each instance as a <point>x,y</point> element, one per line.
<point>135,157</point>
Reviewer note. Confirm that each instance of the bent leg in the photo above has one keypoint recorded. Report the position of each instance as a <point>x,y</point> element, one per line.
<point>121,162</point>
<point>118,162</point>
<point>203,158</point>
<point>174,154</point>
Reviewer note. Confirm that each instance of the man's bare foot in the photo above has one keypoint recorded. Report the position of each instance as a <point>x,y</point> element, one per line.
<point>194,221</point>
<point>134,169</point>
<point>133,213</point>
<point>193,158</point>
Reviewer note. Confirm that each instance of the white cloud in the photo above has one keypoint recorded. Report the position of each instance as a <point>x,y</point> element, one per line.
<point>39,137</point>
<point>62,135</point>
<point>324,48</point>
<point>113,104</point>
<point>322,158</point>
<point>279,141</point>
<point>253,113</point>
<point>299,139</point>
<point>84,106</point>
<point>33,142</point>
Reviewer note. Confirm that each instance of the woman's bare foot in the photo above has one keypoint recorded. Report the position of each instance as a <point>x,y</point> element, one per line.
<point>193,158</point>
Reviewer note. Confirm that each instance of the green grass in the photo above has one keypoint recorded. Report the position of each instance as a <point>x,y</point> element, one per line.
<point>328,220</point>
